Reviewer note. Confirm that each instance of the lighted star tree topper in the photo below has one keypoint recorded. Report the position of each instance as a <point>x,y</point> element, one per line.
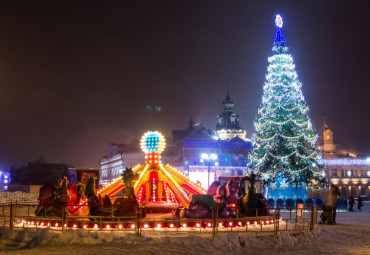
<point>284,153</point>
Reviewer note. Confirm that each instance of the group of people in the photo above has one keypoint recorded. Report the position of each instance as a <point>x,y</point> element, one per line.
<point>352,203</point>
<point>331,202</point>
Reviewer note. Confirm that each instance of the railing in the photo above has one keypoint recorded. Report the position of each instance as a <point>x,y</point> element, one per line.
<point>21,215</point>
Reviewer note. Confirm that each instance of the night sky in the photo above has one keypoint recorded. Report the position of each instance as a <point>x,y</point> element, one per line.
<point>75,76</point>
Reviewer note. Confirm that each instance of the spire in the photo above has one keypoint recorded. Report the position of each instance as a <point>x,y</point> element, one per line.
<point>228,103</point>
<point>279,41</point>
<point>228,119</point>
<point>191,124</point>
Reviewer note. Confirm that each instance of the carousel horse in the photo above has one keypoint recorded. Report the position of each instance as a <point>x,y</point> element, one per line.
<point>97,208</point>
<point>217,198</point>
<point>52,201</point>
<point>252,204</point>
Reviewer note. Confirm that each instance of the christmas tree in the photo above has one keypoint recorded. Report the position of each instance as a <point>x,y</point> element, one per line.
<point>284,154</point>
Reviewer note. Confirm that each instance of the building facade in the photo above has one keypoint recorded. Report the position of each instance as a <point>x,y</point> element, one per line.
<point>351,175</point>
<point>227,142</point>
<point>119,156</point>
<point>343,168</point>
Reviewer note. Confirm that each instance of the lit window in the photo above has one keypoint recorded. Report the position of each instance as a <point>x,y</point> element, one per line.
<point>334,172</point>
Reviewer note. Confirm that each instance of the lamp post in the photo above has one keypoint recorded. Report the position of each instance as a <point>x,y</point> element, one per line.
<point>208,157</point>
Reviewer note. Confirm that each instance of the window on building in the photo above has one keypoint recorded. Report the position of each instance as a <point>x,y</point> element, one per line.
<point>363,190</point>
<point>342,174</point>
<point>334,172</point>
<point>353,191</point>
<point>353,173</point>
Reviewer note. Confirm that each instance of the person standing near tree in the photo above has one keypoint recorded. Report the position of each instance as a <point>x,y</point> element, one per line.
<point>359,203</point>
<point>331,200</point>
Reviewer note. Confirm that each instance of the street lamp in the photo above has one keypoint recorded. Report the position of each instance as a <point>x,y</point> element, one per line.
<point>208,157</point>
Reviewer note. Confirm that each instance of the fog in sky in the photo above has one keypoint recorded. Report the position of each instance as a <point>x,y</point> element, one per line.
<point>78,75</point>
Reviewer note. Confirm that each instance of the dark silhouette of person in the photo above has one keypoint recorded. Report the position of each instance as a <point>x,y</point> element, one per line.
<point>331,201</point>
<point>359,203</point>
<point>351,203</point>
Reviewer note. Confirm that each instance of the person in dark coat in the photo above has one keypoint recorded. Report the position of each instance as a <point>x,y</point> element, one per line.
<point>331,201</point>
<point>359,203</point>
<point>351,203</point>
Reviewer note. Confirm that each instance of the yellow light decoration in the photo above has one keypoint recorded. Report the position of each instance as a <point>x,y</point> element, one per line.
<point>291,137</point>
<point>299,170</point>
<point>266,139</point>
<point>280,123</point>
<point>309,156</point>
<point>255,158</point>
<point>281,157</point>
<point>300,124</point>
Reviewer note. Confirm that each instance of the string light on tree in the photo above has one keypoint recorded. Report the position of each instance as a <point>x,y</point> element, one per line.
<point>284,142</point>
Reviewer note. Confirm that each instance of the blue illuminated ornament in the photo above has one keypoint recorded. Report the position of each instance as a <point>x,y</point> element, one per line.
<point>279,41</point>
<point>152,141</point>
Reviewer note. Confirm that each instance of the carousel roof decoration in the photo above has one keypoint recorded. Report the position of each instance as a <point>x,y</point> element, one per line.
<point>157,183</point>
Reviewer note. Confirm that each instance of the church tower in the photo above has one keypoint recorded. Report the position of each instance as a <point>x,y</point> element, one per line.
<point>228,125</point>
<point>326,144</point>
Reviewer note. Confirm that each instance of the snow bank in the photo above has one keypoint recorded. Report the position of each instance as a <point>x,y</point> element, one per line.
<point>350,236</point>
<point>30,238</point>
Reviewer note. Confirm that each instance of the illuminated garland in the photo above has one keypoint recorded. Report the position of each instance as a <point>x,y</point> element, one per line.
<point>260,126</point>
<point>305,157</point>
<point>279,123</point>
<point>300,170</point>
<point>266,139</point>
<point>293,186</point>
<point>300,124</point>
<point>283,102</point>
<point>258,159</point>
<point>291,137</point>
<point>281,157</point>
<point>293,85</point>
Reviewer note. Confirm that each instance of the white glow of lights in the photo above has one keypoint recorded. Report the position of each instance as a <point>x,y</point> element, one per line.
<point>204,156</point>
<point>279,21</point>
<point>207,156</point>
<point>344,162</point>
<point>202,177</point>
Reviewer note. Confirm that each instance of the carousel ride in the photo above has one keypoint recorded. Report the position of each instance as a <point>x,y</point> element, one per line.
<point>155,188</point>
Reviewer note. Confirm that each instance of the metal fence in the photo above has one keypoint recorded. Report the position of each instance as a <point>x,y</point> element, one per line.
<point>22,215</point>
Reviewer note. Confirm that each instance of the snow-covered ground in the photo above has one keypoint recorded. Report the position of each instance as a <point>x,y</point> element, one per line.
<point>350,236</point>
